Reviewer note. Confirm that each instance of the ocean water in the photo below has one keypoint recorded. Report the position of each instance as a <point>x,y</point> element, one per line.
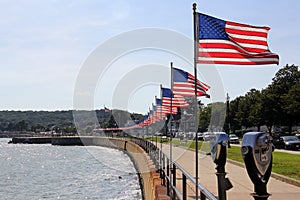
<point>33,171</point>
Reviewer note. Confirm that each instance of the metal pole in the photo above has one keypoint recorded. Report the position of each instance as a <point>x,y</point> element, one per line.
<point>260,192</point>
<point>163,169</point>
<point>168,176</point>
<point>196,48</point>
<point>183,187</point>
<point>227,119</point>
<point>171,127</point>
<point>221,183</point>
<point>160,136</point>
<point>174,175</point>
<point>174,180</point>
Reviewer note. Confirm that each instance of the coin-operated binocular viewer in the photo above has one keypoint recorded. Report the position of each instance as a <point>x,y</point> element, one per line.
<point>257,151</point>
<point>218,148</point>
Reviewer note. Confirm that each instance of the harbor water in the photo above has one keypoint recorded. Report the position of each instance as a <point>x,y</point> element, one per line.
<point>43,171</point>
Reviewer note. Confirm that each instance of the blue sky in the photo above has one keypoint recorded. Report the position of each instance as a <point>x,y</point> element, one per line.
<point>44,44</point>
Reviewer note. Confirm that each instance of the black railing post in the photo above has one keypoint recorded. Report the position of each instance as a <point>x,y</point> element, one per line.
<point>157,158</point>
<point>163,170</point>
<point>168,177</point>
<point>202,196</point>
<point>174,175</point>
<point>174,180</point>
<point>184,187</point>
<point>161,164</point>
<point>150,149</point>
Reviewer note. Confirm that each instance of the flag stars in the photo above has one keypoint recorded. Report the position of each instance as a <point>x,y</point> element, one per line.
<point>212,28</point>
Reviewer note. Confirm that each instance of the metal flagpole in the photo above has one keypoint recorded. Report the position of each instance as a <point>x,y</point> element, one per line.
<point>227,118</point>
<point>166,132</point>
<point>154,122</point>
<point>196,49</point>
<point>171,131</point>
<point>147,127</point>
<point>160,154</point>
<point>161,97</point>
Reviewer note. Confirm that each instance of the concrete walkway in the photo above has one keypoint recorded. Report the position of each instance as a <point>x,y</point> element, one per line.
<point>242,185</point>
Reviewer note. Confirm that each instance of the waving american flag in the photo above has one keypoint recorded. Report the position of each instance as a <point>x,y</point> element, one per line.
<point>184,84</point>
<point>224,42</point>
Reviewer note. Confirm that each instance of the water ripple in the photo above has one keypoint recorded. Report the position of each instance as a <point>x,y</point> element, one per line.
<point>60,172</point>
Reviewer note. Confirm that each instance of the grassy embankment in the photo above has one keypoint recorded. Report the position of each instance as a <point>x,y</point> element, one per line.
<point>283,163</point>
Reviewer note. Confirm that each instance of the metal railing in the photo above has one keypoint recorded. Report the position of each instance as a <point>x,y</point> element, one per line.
<point>169,171</point>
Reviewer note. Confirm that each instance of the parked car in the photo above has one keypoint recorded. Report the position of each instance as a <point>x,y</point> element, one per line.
<point>233,139</point>
<point>288,142</point>
<point>158,134</point>
<point>200,136</point>
<point>207,136</point>
<point>164,139</point>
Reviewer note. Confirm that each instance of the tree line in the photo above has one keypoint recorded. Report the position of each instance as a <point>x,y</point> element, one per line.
<point>276,105</point>
<point>61,121</point>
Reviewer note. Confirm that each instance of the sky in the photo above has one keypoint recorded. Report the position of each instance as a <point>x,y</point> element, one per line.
<point>45,47</point>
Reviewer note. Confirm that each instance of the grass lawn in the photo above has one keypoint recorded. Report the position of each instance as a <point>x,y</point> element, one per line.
<point>286,164</point>
<point>234,153</point>
<point>283,163</point>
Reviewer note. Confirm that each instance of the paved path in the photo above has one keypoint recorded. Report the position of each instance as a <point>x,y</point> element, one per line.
<point>242,185</point>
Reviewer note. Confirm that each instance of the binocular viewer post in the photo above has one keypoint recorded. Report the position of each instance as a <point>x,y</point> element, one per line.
<point>257,151</point>
<point>218,148</point>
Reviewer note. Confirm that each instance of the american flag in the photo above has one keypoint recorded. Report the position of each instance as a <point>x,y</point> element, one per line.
<point>144,121</point>
<point>169,99</point>
<point>153,116</point>
<point>224,42</point>
<point>162,110</point>
<point>184,84</point>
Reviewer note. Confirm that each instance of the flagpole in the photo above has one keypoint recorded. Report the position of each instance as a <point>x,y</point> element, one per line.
<point>196,49</point>
<point>154,121</point>
<point>171,116</point>
<point>166,118</point>
<point>160,152</point>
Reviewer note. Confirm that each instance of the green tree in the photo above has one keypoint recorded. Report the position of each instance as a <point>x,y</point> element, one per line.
<point>234,120</point>
<point>38,128</point>
<point>292,103</point>
<point>275,99</point>
<point>21,125</point>
<point>204,119</point>
<point>112,123</point>
<point>267,111</point>
<point>242,112</point>
<point>254,104</point>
